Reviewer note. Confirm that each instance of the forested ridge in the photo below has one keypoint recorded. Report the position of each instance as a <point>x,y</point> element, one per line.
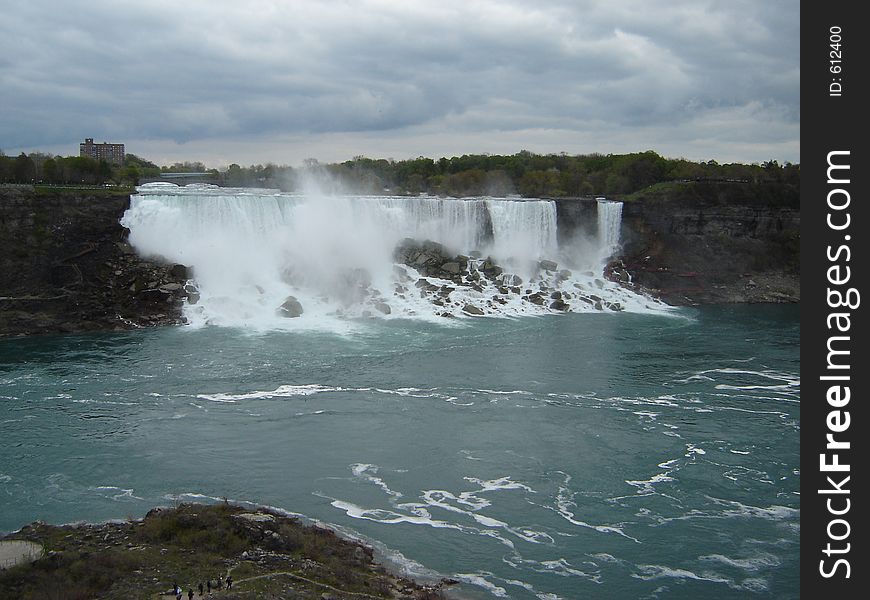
<point>524,173</point>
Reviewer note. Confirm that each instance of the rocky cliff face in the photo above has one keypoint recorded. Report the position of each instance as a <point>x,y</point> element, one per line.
<point>715,243</point>
<point>65,266</point>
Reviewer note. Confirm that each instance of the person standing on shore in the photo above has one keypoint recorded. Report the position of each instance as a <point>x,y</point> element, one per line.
<point>200,588</point>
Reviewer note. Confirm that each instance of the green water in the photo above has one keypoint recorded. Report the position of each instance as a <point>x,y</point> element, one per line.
<point>572,456</point>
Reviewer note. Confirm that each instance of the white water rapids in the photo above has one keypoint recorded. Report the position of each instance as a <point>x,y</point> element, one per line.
<point>251,249</point>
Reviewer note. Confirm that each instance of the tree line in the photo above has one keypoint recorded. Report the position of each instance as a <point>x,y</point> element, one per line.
<point>524,173</point>
<point>40,168</point>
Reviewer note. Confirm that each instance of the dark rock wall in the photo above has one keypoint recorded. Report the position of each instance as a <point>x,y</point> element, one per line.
<point>576,216</point>
<point>65,266</point>
<point>715,243</point>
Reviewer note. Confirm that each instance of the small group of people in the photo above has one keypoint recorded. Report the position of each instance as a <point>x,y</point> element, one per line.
<point>203,588</point>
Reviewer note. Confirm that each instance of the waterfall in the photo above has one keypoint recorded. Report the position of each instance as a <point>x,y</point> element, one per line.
<point>609,226</point>
<point>251,250</point>
<point>523,229</point>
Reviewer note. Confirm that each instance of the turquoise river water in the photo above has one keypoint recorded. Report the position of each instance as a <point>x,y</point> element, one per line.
<point>564,456</point>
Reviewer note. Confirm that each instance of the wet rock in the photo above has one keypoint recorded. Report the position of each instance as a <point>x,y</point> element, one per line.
<point>471,309</point>
<point>451,267</point>
<point>490,269</point>
<point>559,305</point>
<point>617,272</point>
<point>536,299</point>
<point>180,272</point>
<point>547,265</point>
<point>383,307</point>
<point>291,308</point>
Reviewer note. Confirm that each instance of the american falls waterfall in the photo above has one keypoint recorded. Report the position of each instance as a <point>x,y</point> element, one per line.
<point>609,226</point>
<point>263,259</point>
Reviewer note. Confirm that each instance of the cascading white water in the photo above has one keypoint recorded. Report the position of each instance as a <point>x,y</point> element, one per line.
<point>253,249</point>
<point>523,230</point>
<point>609,226</point>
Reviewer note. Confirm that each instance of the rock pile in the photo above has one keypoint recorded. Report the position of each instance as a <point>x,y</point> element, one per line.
<point>548,288</point>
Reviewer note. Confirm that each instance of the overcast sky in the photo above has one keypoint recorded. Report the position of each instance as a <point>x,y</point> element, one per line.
<point>280,81</point>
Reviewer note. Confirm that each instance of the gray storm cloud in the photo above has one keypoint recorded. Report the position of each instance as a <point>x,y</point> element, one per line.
<point>676,76</point>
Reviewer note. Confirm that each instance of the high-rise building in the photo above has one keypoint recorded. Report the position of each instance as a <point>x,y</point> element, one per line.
<point>112,153</point>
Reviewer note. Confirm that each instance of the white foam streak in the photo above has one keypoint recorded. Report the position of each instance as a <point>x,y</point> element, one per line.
<point>284,391</point>
<point>366,472</point>
<point>479,580</point>
<point>564,504</point>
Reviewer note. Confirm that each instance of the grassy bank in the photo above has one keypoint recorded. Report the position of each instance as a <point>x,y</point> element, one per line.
<point>268,555</point>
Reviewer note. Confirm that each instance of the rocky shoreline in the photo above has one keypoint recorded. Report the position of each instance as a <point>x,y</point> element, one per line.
<point>269,555</point>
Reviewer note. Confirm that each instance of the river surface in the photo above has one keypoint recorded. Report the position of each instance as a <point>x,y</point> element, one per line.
<point>565,456</point>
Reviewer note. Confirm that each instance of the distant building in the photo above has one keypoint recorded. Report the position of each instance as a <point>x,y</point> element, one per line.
<point>111,153</point>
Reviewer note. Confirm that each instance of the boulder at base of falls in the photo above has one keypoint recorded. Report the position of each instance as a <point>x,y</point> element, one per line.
<point>471,309</point>
<point>451,267</point>
<point>490,269</point>
<point>383,307</point>
<point>548,265</point>
<point>558,305</point>
<point>290,308</point>
<point>616,271</point>
<point>536,299</point>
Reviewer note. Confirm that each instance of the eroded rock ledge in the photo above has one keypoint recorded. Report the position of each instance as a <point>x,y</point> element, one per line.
<point>65,266</point>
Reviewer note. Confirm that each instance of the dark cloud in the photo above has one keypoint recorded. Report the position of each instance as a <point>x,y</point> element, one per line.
<point>555,72</point>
